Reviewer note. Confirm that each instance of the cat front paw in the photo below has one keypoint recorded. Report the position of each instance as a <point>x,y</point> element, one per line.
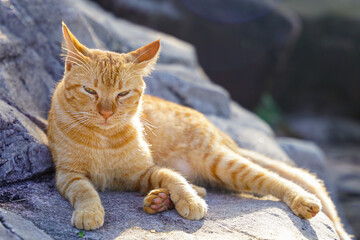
<point>88,218</point>
<point>157,200</point>
<point>191,206</point>
<point>306,206</point>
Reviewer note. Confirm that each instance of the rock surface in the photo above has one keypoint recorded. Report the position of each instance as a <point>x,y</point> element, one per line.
<point>30,38</point>
<point>14,227</point>
<point>23,146</point>
<point>229,217</point>
<point>322,129</point>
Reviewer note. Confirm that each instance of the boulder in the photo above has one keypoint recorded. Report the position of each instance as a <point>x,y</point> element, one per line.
<point>30,67</point>
<point>14,227</point>
<point>23,147</point>
<point>322,74</point>
<point>241,44</point>
<point>322,129</point>
<point>229,217</point>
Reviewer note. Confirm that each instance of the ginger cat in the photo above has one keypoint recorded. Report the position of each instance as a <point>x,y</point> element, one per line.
<point>98,141</point>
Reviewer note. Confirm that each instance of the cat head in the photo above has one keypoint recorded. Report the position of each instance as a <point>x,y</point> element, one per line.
<point>104,88</point>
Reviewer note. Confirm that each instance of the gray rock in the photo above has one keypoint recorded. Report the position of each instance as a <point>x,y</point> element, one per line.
<point>15,227</point>
<point>350,184</point>
<point>250,137</point>
<point>306,155</point>
<point>322,74</point>
<point>23,147</point>
<point>229,217</point>
<point>189,87</point>
<point>241,44</point>
<point>323,129</point>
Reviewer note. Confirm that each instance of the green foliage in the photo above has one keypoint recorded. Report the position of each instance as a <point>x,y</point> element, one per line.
<point>81,234</point>
<point>269,110</point>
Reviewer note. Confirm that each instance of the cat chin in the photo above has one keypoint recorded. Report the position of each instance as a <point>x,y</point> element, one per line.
<point>105,125</point>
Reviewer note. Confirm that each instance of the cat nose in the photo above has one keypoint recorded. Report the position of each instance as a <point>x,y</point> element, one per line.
<point>106,114</point>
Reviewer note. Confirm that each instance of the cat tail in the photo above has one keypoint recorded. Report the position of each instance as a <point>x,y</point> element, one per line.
<point>303,178</point>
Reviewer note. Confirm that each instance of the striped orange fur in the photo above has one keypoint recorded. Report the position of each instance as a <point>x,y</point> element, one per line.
<point>104,133</point>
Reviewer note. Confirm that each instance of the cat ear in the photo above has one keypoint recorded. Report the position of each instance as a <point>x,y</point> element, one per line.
<point>75,51</point>
<point>146,56</point>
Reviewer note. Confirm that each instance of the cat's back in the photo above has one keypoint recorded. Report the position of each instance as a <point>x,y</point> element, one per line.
<point>165,115</point>
<point>173,130</point>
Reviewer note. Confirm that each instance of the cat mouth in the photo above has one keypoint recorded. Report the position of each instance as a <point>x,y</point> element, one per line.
<point>105,124</point>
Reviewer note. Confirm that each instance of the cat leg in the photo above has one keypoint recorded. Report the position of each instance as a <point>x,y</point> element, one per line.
<point>200,190</point>
<point>89,213</point>
<point>230,170</point>
<point>303,178</point>
<point>186,200</point>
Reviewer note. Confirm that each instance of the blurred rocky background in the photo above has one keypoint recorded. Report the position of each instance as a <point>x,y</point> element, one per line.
<point>293,63</point>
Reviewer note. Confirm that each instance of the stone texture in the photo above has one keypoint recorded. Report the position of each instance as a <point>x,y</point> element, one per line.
<point>16,227</point>
<point>23,146</point>
<point>230,217</point>
<point>183,85</point>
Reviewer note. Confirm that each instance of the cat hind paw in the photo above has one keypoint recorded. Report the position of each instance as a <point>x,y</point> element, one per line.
<point>306,206</point>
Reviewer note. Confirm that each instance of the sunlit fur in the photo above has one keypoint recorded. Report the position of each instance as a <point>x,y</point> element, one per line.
<point>139,143</point>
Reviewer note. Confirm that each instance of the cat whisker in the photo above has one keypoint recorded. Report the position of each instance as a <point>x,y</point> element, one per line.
<point>78,62</point>
<point>129,73</point>
<point>81,113</point>
<point>79,65</point>
<point>131,76</point>
<point>146,121</point>
<point>71,126</point>
<point>81,57</point>
<point>90,70</point>
<point>133,61</point>
<point>71,123</point>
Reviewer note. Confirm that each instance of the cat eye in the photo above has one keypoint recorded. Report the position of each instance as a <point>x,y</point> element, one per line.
<point>89,90</point>
<point>122,94</point>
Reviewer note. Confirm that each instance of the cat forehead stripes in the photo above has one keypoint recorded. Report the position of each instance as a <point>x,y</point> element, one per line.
<point>109,68</point>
